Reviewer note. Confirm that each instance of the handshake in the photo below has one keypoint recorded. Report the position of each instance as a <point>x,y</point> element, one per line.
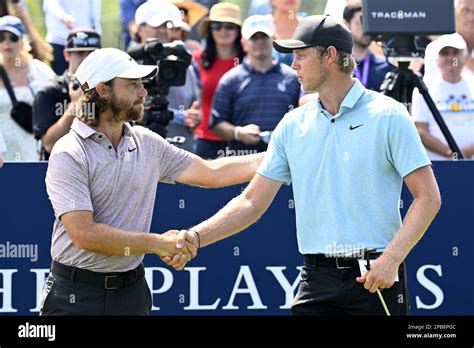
<point>179,247</point>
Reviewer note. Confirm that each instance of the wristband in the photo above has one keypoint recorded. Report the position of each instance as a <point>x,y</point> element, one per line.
<point>237,133</point>
<point>198,237</point>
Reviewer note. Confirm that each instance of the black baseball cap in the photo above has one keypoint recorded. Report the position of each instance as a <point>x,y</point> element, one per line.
<point>317,31</point>
<point>82,40</point>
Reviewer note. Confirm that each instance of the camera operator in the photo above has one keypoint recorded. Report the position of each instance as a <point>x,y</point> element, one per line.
<point>53,108</point>
<point>154,22</point>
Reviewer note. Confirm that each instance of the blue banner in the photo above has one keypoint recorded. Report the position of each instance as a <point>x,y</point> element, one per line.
<point>253,273</point>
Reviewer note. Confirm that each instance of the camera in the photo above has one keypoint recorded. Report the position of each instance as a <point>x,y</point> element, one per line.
<point>173,60</point>
<point>397,23</point>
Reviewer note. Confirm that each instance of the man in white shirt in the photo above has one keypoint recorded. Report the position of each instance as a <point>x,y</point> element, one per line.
<point>61,16</point>
<point>464,12</point>
<point>453,95</point>
<point>3,148</point>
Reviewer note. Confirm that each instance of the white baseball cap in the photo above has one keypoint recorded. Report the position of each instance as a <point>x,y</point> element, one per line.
<point>104,64</point>
<point>257,24</point>
<point>450,40</point>
<point>177,17</point>
<point>153,13</point>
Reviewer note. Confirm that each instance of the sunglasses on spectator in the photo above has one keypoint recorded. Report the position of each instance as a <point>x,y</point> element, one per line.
<point>225,25</point>
<point>12,37</point>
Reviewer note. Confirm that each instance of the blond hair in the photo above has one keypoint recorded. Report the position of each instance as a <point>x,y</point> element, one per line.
<point>345,61</point>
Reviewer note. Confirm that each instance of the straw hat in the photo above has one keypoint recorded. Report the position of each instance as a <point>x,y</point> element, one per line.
<point>221,12</point>
<point>196,11</point>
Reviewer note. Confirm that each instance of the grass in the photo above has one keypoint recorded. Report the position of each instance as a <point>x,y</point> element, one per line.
<point>111,36</point>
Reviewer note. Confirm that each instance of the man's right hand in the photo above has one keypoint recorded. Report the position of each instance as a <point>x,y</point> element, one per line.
<point>249,134</point>
<point>185,240</point>
<point>68,21</point>
<point>74,94</point>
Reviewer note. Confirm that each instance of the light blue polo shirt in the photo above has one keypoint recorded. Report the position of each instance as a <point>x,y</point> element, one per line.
<point>347,170</point>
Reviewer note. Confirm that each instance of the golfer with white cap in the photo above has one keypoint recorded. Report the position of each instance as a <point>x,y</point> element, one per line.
<point>102,179</point>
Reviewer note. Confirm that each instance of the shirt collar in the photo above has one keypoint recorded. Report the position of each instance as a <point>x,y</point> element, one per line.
<point>349,101</point>
<point>353,96</point>
<point>82,129</point>
<point>275,68</point>
<point>127,129</point>
<point>85,131</point>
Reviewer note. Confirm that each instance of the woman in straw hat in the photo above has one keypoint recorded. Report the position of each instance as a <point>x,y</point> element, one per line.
<point>223,51</point>
<point>190,13</point>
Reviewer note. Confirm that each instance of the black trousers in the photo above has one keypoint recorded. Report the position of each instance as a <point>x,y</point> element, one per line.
<point>72,296</point>
<point>327,290</point>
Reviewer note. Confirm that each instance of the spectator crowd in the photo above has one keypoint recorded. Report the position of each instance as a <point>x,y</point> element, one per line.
<point>237,87</point>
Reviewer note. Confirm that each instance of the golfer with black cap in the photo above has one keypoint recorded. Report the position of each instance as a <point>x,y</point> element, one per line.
<point>102,179</point>
<point>346,154</point>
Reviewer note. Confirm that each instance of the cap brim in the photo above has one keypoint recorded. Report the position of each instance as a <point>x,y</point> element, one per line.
<point>453,45</point>
<point>81,49</point>
<point>140,72</point>
<point>11,30</point>
<point>157,21</point>
<point>203,27</point>
<point>181,25</point>
<point>287,46</point>
<point>265,31</point>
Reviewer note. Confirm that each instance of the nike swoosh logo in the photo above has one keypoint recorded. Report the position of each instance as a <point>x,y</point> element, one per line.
<point>132,150</point>
<point>352,128</point>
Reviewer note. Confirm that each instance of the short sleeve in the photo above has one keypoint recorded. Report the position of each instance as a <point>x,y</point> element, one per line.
<point>420,111</point>
<point>275,163</point>
<point>222,103</point>
<point>67,184</point>
<point>40,73</point>
<point>405,149</point>
<point>172,161</point>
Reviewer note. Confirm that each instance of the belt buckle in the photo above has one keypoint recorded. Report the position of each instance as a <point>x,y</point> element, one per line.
<point>341,267</point>
<point>106,286</point>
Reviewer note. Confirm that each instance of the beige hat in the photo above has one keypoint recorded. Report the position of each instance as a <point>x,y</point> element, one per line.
<point>196,11</point>
<point>221,12</point>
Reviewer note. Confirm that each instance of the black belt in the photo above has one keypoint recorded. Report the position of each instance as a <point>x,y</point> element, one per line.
<point>336,262</point>
<point>106,280</point>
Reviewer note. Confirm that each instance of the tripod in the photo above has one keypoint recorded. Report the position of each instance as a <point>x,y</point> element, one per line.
<point>400,84</point>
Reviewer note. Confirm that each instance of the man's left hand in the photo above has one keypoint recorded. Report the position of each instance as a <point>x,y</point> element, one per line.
<point>382,274</point>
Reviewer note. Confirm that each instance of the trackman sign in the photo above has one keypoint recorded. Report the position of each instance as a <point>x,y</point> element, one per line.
<point>400,15</point>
